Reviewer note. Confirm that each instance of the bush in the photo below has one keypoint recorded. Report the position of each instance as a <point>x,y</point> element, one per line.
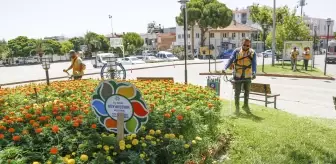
<point>58,125</point>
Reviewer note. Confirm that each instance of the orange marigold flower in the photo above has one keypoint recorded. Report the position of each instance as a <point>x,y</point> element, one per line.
<point>210,105</point>
<point>179,117</point>
<point>55,129</point>
<point>16,138</point>
<point>2,136</point>
<point>75,124</point>
<point>67,117</point>
<point>173,110</point>
<point>93,126</point>
<point>53,150</point>
<point>167,115</point>
<point>188,108</point>
<point>11,130</point>
<point>38,130</point>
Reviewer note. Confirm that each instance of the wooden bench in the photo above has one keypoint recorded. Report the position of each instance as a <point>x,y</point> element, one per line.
<point>155,79</point>
<point>262,90</point>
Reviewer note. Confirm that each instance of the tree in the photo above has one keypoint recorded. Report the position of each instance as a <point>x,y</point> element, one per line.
<point>335,34</point>
<point>4,50</point>
<point>104,43</point>
<point>205,14</point>
<point>77,42</point>
<point>292,28</point>
<point>92,42</point>
<point>132,41</point>
<point>54,46</point>
<point>21,46</point>
<point>66,47</point>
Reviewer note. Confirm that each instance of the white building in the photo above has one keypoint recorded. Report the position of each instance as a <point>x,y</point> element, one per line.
<point>243,16</point>
<point>321,29</point>
<point>221,38</point>
<point>150,40</point>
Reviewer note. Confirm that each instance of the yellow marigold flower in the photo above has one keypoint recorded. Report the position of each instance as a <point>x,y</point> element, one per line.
<point>142,156</point>
<point>99,146</point>
<point>109,158</point>
<point>171,136</point>
<point>143,144</point>
<point>129,138</point>
<point>143,128</point>
<point>166,136</point>
<point>67,156</point>
<point>122,147</point>
<point>128,146</point>
<point>71,161</point>
<point>174,152</point>
<point>193,142</point>
<point>186,146</point>
<point>106,148</point>
<point>104,135</point>
<point>73,153</point>
<point>111,147</point>
<point>133,135</point>
<point>153,143</point>
<point>84,157</point>
<point>122,143</point>
<point>135,142</point>
<point>181,137</point>
<point>148,137</point>
<point>49,162</point>
<point>158,131</point>
<point>36,163</point>
<point>198,138</point>
<point>112,135</point>
<point>65,159</point>
<point>151,132</point>
<point>114,153</point>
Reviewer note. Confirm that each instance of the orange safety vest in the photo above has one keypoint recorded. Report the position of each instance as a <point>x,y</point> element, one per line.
<point>243,64</point>
<point>307,55</point>
<point>294,54</point>
<point>77,68</point>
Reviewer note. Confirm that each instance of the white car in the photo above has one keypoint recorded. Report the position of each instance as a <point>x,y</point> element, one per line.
<point>267,53</point>
<point>152,59</point>
<point>32,60</point>
<point>132,61</point>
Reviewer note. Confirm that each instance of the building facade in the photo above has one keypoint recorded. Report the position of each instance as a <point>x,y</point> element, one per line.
<point>321,29</point>
<point>220,39</point>
<point>165,41</point>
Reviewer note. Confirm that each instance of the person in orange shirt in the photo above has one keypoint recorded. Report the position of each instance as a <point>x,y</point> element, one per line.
<point>77,65</point>
<point>306,57</point>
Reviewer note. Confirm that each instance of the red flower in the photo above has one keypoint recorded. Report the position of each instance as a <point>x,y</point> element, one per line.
<point>55,129</point>
<point>16,138</point>
<point>53,151</point>
<point>173,110</point>
<point>93,126</point>
<point>179,117</point>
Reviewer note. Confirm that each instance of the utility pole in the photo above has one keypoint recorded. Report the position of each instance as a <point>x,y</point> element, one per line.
<point>110,17</point>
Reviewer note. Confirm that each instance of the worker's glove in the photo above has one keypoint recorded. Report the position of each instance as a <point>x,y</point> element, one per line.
<point>254,76</point>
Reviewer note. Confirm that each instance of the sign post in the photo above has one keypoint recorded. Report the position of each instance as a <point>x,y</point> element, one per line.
<point>118,42</point>
<point>214,83</point>
<point>119,107</point>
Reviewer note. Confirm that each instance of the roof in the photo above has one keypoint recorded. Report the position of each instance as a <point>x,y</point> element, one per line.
<point>235,27</point>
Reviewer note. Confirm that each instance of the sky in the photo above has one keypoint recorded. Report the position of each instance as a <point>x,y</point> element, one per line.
<point>40,18</point>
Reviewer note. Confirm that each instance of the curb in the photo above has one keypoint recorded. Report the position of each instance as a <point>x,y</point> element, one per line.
<point>97,73</point>
<point>279,75</point>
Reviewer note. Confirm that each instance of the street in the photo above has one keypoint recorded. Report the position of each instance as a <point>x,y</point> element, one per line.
<point>303,97</point>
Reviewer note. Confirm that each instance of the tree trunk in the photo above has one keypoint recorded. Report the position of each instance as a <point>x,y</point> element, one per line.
<point>203,31</point>
<point>192,40</point>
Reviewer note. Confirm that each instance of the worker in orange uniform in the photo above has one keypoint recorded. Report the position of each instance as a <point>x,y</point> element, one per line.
<point>77,65</point>
<point>306,57</point>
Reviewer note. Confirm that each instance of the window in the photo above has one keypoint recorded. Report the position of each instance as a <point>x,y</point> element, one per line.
<point>243,34</point>
<point>225,35</point>
<point>212,35</point>
<point>179,36</point>
<point>233,35</point>
<point>197,35</point>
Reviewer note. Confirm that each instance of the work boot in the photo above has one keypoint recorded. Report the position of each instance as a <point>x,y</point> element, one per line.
<point>246,108</point>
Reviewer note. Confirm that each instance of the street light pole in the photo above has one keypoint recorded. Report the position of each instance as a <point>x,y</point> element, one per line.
<point>184,7</point>
<point>209,51</point>
<point>315,45</point>
<point>110,17</point>
<point>273,32</point>
<point>264,39</point>
<point>325,60</point>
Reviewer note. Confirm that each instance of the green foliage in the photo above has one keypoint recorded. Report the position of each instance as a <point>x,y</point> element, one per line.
<point>21,46</point>
<point>77,42</point>
<point>132,41</point>
<point>291,29</point>
<point>335,34</point>
<point>54,46</point>
<point>66,47</point>
<point>4,50</point>
<point>104,42</point>
<point>206,13</point>
<point>92,41</point>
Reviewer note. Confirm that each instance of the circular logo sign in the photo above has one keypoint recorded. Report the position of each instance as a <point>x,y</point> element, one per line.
<point>119,104</point>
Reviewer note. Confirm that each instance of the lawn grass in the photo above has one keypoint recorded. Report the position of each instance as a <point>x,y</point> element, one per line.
<point>275,137</point>
<point>287,69</point>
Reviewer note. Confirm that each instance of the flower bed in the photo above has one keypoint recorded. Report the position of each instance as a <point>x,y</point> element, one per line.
<point>59,126</point>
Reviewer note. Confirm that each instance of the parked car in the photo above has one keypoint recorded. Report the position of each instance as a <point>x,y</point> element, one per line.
<point>267,53</point>
<point>226,54</point>
<point>32,60</point>
<point>132,61</point>
<point>152,59</point>
<point>140,57</point>
<point>166,56</point>
<point>331,56</point>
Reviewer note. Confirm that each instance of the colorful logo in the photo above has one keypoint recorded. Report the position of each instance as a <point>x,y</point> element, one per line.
<point>111,98</point>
